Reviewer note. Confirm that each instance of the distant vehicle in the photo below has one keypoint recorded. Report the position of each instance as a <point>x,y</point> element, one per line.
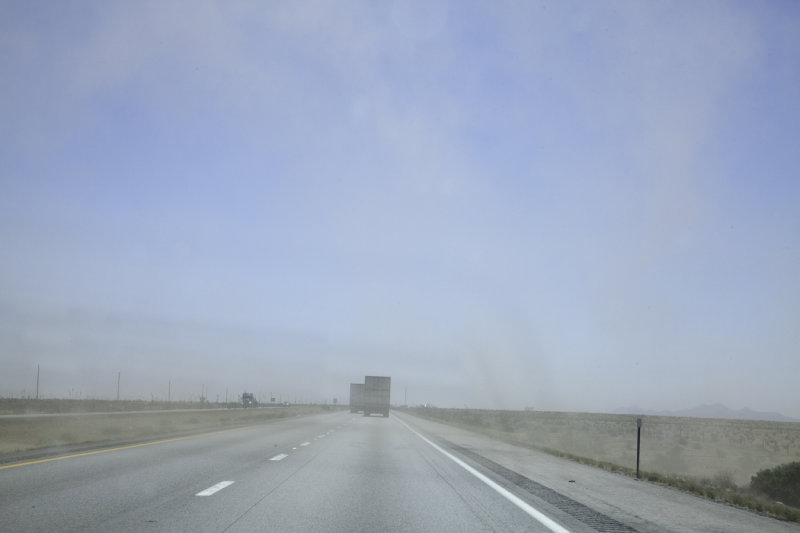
<point>249,399</point>
<point>377,390</point>
<point>356,397</point>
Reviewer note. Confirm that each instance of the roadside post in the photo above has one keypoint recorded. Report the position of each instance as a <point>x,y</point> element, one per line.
<point>638,443</point>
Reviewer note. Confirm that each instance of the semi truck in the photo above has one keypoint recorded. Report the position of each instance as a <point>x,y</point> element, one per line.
<point>249,399</point>
<point>377,390</point>
<point>356,397</point>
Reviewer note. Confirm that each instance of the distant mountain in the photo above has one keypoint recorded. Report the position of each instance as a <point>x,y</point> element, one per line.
<point>710,411</point>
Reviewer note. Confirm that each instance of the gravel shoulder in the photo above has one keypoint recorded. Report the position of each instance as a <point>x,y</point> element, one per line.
<point>644,506</point>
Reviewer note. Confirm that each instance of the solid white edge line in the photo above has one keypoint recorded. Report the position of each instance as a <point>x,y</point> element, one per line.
<point>546,521</point>
<point>279,457</point>
<point>214,488</point>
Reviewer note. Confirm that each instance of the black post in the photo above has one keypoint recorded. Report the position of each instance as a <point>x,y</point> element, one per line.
<point>638,443</point>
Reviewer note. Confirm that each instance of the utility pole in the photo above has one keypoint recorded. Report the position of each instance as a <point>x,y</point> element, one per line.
<point>118,375</point>
<point>37,382</point>
<point>169,391</point>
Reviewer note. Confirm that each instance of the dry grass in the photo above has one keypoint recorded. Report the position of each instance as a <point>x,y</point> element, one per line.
<point>21,406</point>
<point>701,448</point>
<point>22,434</point>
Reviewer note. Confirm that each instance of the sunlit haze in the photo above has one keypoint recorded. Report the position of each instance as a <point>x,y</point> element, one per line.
<point>565,206</point>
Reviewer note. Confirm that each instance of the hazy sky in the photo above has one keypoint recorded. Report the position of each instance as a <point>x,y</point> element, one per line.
<point>565,206</point>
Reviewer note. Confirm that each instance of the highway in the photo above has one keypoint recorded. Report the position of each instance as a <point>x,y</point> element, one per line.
<point>344,472</point>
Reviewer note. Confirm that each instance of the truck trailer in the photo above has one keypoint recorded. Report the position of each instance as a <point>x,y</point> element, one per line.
<point>377,390</point>
<point>356,397</point>
<point>249,399</point>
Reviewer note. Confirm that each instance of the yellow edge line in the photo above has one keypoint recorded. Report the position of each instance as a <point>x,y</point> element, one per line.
<point>106,450</point>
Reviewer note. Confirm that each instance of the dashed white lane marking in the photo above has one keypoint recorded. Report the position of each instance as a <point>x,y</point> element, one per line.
<point>320,436</point>
<point>546,521</point>
<point>304,443</point>
<point>279,457</point>
<point>294,447</point>
<point>214,488</point>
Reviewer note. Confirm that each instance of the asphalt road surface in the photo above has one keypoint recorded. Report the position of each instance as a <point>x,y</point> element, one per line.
<point>344,472</point>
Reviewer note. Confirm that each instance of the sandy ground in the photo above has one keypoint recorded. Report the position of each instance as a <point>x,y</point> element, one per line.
<point>699,448</point>
<point>43,431</point>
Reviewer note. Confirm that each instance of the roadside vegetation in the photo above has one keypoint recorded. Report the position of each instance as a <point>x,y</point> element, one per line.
<point>24,406</point>
<point>773,491</point>
<point>46,431</point>
<point>781,483</point>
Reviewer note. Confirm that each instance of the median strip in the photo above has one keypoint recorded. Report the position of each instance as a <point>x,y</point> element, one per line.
<point>117,448</point>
